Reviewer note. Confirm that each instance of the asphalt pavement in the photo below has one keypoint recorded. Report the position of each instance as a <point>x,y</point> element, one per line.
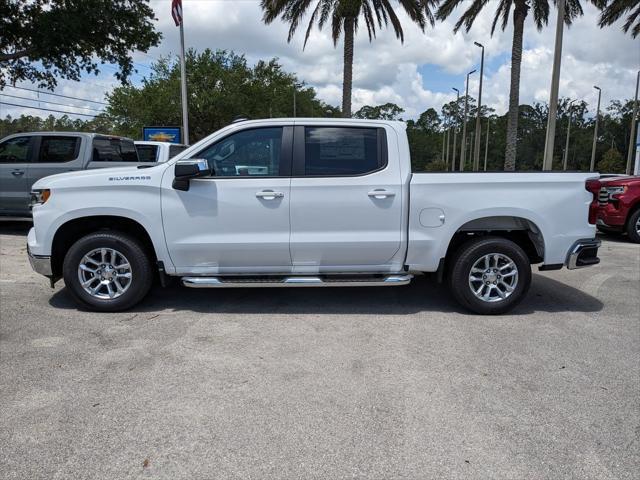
<point>372,383</point>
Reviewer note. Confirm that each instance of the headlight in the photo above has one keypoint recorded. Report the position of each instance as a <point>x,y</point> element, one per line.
<point>615,191</point>
<point>38,197</point>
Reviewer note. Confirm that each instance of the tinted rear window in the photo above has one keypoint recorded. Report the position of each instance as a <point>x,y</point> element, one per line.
<point>176,149</point>
<point>147,153</point>
<point>114,150</point>
<point>336,151</point>
<point>58,149</point>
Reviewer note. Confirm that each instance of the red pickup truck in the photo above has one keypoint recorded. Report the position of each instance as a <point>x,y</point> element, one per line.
<point>619,206</point>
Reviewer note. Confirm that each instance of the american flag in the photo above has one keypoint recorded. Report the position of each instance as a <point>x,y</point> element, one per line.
<point>176,11</point>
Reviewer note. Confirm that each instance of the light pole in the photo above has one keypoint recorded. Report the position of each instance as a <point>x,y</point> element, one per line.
<point>446,164</point>
<point>455,132</point>
<point>566,145</point>
<point>296,85</point>
<point>595,132</point>
<point>476,150</point>
<point>547,163</point>
<point>463,154</point>
<point>486,145</point>
<point>632,135</point>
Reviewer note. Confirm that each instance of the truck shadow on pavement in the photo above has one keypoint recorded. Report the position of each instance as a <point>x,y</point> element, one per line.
<point>422,295</point>
<point>11,226</point>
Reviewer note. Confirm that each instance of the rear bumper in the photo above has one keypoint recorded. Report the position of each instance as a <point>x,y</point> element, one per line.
<point>40,264</point>
<point>583,253</point>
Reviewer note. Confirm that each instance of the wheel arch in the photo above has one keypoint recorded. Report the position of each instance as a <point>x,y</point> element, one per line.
<point>521,230</point>
<point>74,229</point>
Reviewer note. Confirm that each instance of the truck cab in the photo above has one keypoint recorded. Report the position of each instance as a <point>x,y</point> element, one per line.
<point>151,151</point>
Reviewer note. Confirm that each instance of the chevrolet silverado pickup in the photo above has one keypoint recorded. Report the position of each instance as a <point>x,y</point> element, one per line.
<point>25,158</point>
<point>303,203</point>
<point>619,209</point>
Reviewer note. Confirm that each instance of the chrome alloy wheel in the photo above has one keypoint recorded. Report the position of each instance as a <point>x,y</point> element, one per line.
<point>104,273</point>
<point>493,277</point>
<point>638,226</point>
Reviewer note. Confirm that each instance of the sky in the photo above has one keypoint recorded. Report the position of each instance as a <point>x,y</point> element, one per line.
<point>416,75</point>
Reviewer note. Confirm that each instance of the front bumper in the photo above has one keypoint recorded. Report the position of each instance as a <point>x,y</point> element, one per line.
<point>41,264</point>
<point>584,253</point>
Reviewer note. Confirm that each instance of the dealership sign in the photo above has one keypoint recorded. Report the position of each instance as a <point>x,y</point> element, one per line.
<point>162,134</point>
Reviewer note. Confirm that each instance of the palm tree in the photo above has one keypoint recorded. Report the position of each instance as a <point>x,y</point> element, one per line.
<point>612,10</point>
<point>344,16</point>
<point>521,8</point>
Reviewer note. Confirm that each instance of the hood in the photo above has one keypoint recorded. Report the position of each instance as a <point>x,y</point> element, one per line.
<point>102,176</point>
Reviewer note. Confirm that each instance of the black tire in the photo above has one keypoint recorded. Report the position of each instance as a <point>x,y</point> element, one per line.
<point>464,259</point>
<point>140,269</point>
<point>634,236</point>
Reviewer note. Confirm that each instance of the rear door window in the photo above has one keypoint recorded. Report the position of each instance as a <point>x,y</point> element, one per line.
<point>58,149</point>
<point>343,151</point>
<point>147,153</point>
<point>114,150</point>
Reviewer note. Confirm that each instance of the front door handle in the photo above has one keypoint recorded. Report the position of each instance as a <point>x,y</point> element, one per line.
<point>269,195</point>
<point>381,193</point>
<point>17,173</point>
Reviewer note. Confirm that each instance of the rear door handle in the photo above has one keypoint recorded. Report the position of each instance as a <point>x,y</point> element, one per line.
<point>381,193</point>
<point>269,195</point>
<point>17,173</point>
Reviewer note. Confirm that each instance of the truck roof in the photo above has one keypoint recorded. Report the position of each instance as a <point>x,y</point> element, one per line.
<point>395,123</point>
<point>75,134</point>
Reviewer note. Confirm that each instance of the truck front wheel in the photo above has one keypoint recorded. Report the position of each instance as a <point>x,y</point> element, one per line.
<point>489,275</point>
<point>633,227</point>
<point>107,271</point>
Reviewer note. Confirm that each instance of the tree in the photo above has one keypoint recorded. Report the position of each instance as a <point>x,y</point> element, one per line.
<point>612,10</point>
<point>388,111</point>
<point>345,15</point>
<point>222,86</point>
<point>429,121</point>
<point>44,40</point>
<point>612,162</point>
<point>520,12</point>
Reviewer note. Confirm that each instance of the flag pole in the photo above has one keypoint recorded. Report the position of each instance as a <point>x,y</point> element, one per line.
<point>183,87</point>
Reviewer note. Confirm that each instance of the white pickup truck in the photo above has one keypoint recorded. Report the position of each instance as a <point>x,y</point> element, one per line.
<point>307,202</point>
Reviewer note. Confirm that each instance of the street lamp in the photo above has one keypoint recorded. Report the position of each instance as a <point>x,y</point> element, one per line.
<point>476,150</point>
<point>595,132</point>
<point>547,162</point>
<point>632,135</point>
<point>566,145</point>
<point>455,132</point>
<point>295,109</point>
<point>486,145</point>
<point>464,124</point>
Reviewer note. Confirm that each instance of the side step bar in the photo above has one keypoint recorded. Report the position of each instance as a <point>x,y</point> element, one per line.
<point>295,281</point>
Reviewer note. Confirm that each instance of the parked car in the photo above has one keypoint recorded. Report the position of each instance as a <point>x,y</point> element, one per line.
<point>619,206</point>
<point>308,202</point>
<point>160,152</point>
<point>25,158</point>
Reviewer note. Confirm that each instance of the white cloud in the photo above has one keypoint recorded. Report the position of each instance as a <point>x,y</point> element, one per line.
<point>386,70</point>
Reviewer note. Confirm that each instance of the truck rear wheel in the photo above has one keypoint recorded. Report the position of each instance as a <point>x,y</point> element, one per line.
<point>633,227</point>
<point>107,271</point>
<point>489,275</point>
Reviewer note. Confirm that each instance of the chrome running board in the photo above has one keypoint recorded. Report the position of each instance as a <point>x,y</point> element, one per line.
<point>296,281</point>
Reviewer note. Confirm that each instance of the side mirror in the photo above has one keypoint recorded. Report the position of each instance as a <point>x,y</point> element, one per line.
<point>185,170</point>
